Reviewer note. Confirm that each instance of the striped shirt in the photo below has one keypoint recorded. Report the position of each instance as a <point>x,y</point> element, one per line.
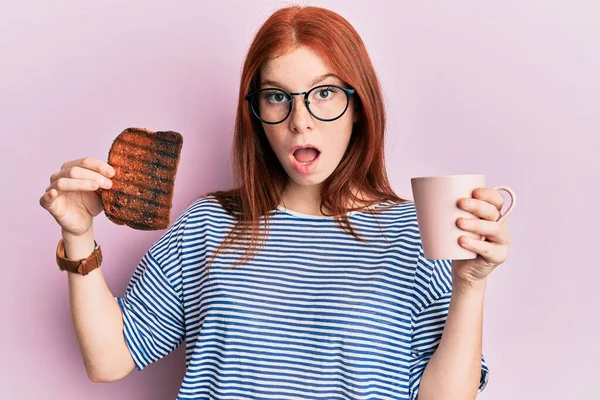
<point>315,314</point>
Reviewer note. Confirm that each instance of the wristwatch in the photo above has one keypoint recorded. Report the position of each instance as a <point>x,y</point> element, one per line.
<point>83,266</point>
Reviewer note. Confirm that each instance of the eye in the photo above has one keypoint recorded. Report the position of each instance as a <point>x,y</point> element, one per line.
<point>325,93</point>
<point>275,97</point>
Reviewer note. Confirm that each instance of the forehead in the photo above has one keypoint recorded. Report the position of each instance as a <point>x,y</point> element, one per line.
<point>295,69</point>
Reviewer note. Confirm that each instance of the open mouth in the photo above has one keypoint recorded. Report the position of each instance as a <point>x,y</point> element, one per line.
<point>306,155</point>
<point>305,158</point>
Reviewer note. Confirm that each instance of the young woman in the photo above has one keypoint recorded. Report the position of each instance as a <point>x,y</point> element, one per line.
<point>308,279</point>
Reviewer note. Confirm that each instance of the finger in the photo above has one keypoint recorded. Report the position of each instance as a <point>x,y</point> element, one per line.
<point>78,172</point>
<point>494,232</point>
<point>489,195</point>
<point>491,252</point>
<point>73,185</point>
<point>480,208</point>
<point>48,198</point>
<point>91,164</point>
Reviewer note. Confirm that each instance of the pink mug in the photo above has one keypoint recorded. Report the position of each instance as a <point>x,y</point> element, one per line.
<point>436,203</point>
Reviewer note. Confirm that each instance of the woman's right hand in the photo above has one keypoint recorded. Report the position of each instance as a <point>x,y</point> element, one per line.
<point>73,197</point>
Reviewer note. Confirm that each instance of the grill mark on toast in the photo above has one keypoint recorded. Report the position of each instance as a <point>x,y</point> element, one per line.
<point>135,209</point>
<point>139,163</point>
<point>170,136</point>
<point>160,152</point>
<point>129,183</point>
<point>152,201</point>
<point>162,177</point>
<point>157,142</point>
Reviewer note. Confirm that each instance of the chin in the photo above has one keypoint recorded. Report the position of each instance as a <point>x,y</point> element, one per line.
<point>317,177</point>
<point>302,181</point>
<point>306,180</point>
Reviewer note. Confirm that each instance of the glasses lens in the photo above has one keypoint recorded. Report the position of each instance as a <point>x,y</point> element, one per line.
<point>327,102</point>
<point>271,105</point>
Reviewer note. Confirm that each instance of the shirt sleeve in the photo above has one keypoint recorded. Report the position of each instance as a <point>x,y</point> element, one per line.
<point>152,305</point>
<point>433,291</point>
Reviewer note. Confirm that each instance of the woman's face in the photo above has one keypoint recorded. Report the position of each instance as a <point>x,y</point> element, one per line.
<point>299,71</point>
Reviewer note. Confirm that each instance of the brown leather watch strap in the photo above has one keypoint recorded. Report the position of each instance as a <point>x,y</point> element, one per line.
<point>83,266</point>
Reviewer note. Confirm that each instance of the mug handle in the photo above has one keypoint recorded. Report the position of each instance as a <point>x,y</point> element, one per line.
<point>513,201</point>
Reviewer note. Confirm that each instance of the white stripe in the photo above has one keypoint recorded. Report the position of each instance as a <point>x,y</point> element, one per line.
<point>314,314</point>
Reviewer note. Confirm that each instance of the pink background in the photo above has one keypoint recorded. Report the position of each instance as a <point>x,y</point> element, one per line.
<point>509,89</point>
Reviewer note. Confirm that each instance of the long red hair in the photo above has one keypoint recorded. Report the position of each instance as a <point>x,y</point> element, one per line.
<point>259,178</point>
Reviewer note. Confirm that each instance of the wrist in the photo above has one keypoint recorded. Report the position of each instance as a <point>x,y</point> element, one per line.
<point>70,237</point>
<point>468,286</point>
<point>78,247</point>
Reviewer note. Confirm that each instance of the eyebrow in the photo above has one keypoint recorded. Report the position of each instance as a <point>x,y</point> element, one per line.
<point>314,82</point>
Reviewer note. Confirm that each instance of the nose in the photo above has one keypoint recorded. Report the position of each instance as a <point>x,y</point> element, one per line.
<point>300,119</point>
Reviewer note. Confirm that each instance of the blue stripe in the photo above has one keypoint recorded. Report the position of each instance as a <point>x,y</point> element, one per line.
<point>316,314</point>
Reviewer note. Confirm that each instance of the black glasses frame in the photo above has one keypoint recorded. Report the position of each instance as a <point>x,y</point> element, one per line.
<point>349,92</point>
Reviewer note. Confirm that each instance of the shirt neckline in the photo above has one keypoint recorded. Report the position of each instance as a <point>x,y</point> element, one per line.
<point>298,214</point>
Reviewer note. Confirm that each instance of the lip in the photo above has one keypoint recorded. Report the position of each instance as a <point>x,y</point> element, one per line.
<point>305,169</point>
<point>304,146</point>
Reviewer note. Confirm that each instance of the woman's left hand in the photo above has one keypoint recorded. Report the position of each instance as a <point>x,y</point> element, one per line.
<point>486,204</point>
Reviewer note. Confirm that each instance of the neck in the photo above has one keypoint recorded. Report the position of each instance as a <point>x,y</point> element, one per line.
<point>307,199</point>
<point>303,199</point>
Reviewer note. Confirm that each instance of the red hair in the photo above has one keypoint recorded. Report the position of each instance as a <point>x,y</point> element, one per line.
<point>259,178</point>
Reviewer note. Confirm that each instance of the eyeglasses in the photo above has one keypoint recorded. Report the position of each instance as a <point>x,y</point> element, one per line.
<point>325,103</point>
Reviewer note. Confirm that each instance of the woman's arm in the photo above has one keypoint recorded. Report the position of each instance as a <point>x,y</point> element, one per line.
<point>97,318</point>
<point>454,370</point>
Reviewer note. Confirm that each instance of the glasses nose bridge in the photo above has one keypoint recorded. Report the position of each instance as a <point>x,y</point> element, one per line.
<point>306,101</point>
<point>299,94</point>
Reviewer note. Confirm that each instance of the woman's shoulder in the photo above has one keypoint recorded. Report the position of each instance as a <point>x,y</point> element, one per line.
<point>206,206</point>
<point>199,213</point>
<point>396,213</point>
